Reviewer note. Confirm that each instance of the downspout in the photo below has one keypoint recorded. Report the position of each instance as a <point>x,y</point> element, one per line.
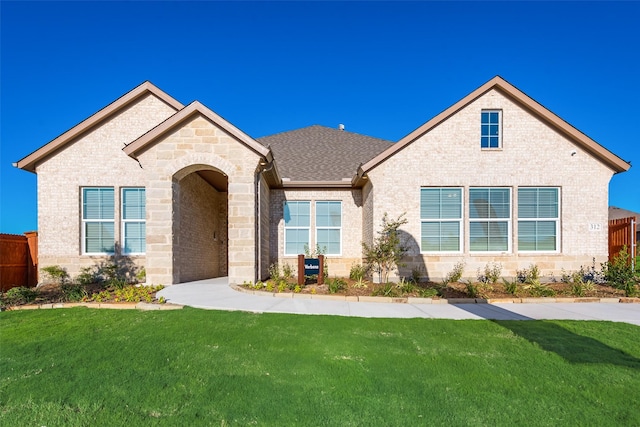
<point>258,253</point>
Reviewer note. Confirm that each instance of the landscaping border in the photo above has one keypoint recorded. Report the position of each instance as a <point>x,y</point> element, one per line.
<point>418,300</point>
<point>143,306</point>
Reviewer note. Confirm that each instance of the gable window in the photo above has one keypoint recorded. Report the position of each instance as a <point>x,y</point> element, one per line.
<point>538,219</point>
<point>98,220</point>
<point>490,135</point>
<point>440,219</point>
<point>296,227</point>
<point>133,221</point>
<point>329,227</point>
<point>489,219</point>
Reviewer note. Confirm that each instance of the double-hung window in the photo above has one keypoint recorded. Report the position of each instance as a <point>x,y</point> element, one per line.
<point>441,219</point>
<point>297,222</point>
<point>98,220</point>
<point>329,227</point>
<point>133,221</point>
<point>490,132</point>
<point>538,219</point>
<point>489,219</point>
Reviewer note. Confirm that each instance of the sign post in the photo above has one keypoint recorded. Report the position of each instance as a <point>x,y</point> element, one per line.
<point>310,267</point>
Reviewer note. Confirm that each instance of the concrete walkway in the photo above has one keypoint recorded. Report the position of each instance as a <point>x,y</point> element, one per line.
<point>216,294</point>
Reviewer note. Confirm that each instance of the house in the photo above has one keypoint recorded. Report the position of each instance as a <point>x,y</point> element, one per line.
<point>495,177</point>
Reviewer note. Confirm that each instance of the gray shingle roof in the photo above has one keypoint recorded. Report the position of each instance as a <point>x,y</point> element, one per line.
<point>319,153</point>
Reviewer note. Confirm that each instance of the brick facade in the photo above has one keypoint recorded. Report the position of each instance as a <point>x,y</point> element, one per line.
<point>196,231</point>
<point>532,154</point>
<point>94,159</point>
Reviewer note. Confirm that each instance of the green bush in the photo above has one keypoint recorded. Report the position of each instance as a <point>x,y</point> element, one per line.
<point>620,274</point>
<point>73,292</point>
<point>406,286</point>
<point>19,296</point>
<point>56,273</point>
<point>274,271</point>
<point>357,272</point>
<point>335,285</point>
<point>428,292</point>
<point>454,275</point>
<point>386,290</point>
<point>511,287</point>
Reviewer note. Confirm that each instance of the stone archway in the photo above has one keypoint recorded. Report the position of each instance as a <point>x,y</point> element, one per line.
<point>200,223</point>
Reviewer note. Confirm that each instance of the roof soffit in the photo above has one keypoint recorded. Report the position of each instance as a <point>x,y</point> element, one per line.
<point>187,113</point>
<point>598,151</point>
<point>29,162</point>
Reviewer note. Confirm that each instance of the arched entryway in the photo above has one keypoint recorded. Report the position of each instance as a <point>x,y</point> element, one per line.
<point>200,223</point>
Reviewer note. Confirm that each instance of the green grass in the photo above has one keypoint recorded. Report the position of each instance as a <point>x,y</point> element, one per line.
<point>79,367</point>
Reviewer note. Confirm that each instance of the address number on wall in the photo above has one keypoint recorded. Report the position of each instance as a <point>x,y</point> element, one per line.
<point>595,227</point>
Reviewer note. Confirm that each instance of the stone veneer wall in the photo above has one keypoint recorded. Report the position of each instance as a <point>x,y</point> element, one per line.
<point>533,154</point>
<point>95,159</point>
<point>351,226</point>
<point>195,145</point>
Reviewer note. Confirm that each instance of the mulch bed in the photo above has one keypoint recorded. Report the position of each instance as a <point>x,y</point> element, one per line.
<point>459,290</point>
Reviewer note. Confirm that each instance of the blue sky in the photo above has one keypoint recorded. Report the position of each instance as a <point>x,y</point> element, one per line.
<point>381,68</point>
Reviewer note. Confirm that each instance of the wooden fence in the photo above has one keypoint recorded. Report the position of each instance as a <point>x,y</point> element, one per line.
<point>18,260</point>
<point>622,232</point>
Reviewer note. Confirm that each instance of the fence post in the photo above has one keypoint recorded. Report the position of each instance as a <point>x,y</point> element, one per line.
<point>32,258</point>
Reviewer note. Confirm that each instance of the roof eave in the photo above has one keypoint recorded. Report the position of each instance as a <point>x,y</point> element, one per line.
<point>344,183</point>
<point>29,162</point>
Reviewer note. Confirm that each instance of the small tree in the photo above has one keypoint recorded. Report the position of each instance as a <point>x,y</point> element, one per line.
<point>387,250</point>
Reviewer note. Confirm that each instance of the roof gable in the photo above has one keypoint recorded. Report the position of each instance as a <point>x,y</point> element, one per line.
<point>498,83</point>
<point>29,162</point>
<point>188,112</point>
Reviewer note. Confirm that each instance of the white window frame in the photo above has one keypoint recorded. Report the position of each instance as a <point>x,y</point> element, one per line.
<point>286,228</point>
<point>509,221</point>
<point>556,220</point>
<point>482,135</point>
<point>317,227</point>
<point>125,221</point>
<point>459,221</point>
<point>86,221</point>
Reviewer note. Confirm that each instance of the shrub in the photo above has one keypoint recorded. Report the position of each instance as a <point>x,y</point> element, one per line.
<point>491,274</point>
<point>360,284</point>
<point>56,273</point>
<point>406,286</point>
<point>428,292</point>
<point>473,289</point>
<point>417,274</point>
<point>386,252</point>
<point>454,275</point>
<point>274,271</point>
<point>335,285</point>
<point>287,272</point>
<point>511,287</point>
<point>19,296</point>
<point>73,292</point>
<point>386,290</point>
<point>87,276</point>
<point>620,274</point>
<point>357,272</point>
<point>528,275</point>
<point>538,289</point>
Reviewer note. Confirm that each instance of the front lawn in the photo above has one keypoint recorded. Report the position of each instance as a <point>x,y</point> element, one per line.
<point>78,367</point>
